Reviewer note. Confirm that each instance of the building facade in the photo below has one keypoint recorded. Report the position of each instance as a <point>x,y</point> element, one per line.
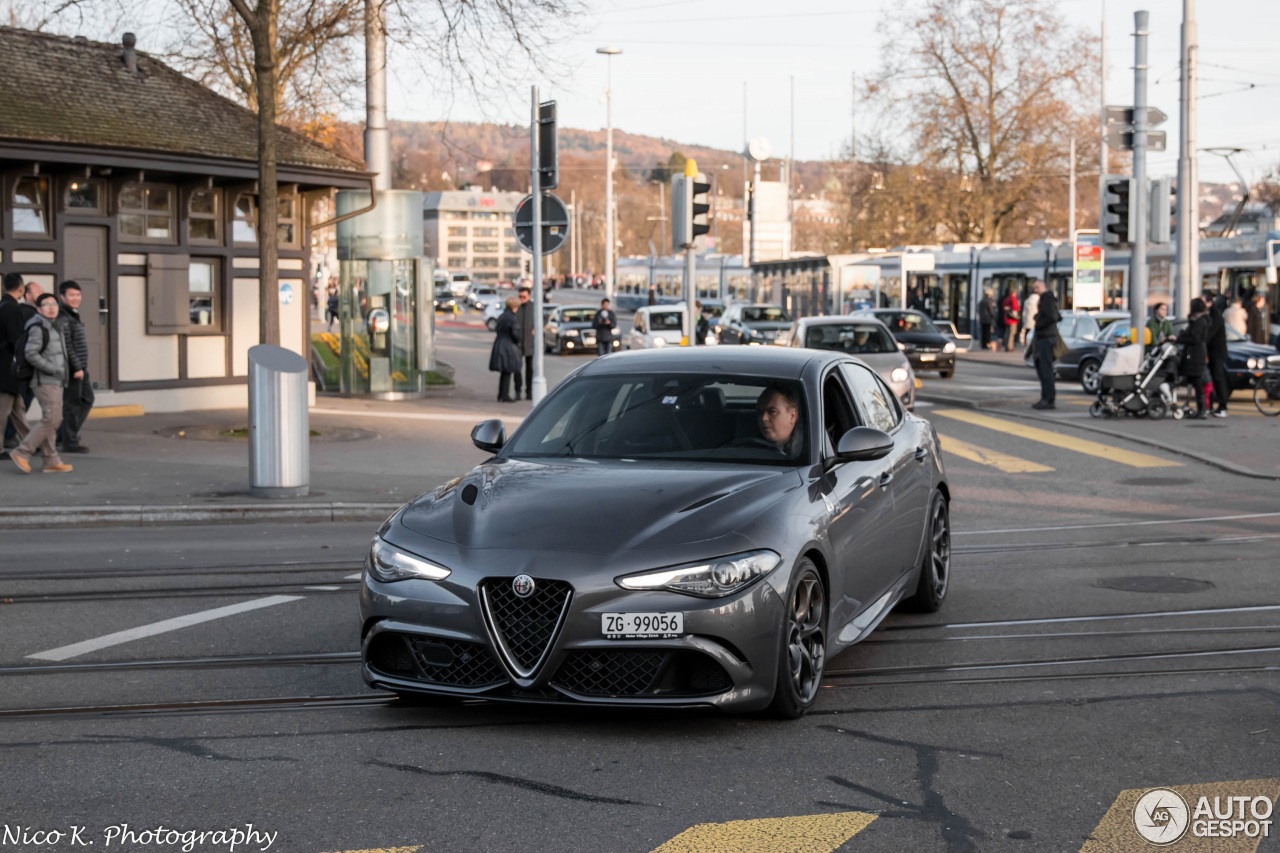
<point>469,231</point>
<point>141,185</point>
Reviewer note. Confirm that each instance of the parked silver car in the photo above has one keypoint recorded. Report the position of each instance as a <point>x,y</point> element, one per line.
<point>725,520</point>
<point>865,338</point>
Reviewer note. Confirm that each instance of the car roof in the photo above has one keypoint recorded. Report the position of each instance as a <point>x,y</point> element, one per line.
<point>779,362</point>
<point>837,319</point>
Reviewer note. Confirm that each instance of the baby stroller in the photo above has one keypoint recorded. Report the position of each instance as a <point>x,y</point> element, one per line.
<point>1147,390</point>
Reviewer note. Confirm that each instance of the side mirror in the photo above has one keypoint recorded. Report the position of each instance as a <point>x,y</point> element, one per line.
<point>861,444</point>
<point>489,435</point>
<point>1271,275</point>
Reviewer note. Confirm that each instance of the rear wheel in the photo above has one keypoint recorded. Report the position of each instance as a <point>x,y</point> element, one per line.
<point>491,324</point>
<point>804,645</point>
<point>935,568</point>
<point>1095,409</point>
<point>1089,376</point>
<point>1266,395</point>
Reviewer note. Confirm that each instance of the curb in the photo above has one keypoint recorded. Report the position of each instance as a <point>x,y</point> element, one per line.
<point>1212,461</point>
<point>127,516</point>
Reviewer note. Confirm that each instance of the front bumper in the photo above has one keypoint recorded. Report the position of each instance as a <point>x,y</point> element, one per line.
<point>941,361</point>
<point>436,638</point>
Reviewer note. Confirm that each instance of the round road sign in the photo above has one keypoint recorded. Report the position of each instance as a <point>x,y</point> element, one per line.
<point>555,223</point>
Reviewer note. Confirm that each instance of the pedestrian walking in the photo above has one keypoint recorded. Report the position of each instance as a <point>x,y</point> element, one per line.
<point>46,352</point>
<point>1235,317</point>
<point>1046,338</point>
<point>77,399</point>
<point>13,408</point>
<point>1195,352</point>
<point>505,358</point>
<point>604,322</point>
<point>526,326</point>
<point>702,327</point>
<point>1216,348</point>
<point>653,295</point>
<point>1010,309</point>
<point>987,318</point>
<point>1029,309</point>
<point>331,307</point>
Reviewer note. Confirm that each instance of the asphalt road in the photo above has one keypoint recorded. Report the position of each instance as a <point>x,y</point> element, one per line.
<point>1113,625</point>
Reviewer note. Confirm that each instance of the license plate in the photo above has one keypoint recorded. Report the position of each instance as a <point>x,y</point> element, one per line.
<point>629,626</point>
<point>928,356</point>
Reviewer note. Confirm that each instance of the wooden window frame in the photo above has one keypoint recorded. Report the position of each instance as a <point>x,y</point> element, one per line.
<point>146,212</point>
<point>103,192</point>
<point>42,208</point>
<point>216,217</point>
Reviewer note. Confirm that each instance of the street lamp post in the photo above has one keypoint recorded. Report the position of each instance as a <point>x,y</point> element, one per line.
<point>610,52</point>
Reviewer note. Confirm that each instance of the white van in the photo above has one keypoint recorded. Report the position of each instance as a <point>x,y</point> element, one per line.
<point>461,284</point>
<point>656,326</point>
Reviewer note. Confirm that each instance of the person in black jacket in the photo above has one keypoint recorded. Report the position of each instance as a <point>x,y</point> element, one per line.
<point>525,324</point>
<point>77,397</point>
<point>1216,347</point>
<point>604,322</point>
<point>987,318</point>
<point>1046,336</point>
<point>1195,352</point>
<point>13,409</point>
<point>504,358</point>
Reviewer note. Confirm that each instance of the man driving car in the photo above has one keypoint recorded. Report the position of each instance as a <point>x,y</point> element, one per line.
<point>777,411</point>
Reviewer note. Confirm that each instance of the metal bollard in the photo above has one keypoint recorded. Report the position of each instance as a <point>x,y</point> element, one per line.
<point>279,430</point>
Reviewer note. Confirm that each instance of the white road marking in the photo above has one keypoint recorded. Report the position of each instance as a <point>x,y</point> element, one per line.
<point>416,416</point>
<point>354,577</point>
<point>77,649</point>
<point>1117,524</point>
<point>324,588</point>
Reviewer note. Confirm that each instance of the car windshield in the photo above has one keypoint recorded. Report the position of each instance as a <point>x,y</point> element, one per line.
<point>765,314</point>
<point>665,321</point>
<point>577,315</point>
<point>688,417</point>
<point>1232,335</point>
<point>853,338</point>
<point>906,321</point>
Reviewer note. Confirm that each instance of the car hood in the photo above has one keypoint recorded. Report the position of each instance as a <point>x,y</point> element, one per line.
<point>1249,349</point>
<point>883,362</point>
<point>767,325</point>
<point>595,508</point>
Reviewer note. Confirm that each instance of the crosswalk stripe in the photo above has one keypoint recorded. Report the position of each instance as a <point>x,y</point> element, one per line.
<point>816,833</point>
<point>983,456</point>
<point>1118,833</point>
<point>413,849</point>
<point>1132,458</point>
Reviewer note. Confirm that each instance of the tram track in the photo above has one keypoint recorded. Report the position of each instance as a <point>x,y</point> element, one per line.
<point>169,592</point>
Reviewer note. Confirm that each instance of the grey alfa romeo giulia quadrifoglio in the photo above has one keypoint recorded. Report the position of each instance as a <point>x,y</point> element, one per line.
<point>700,526</point>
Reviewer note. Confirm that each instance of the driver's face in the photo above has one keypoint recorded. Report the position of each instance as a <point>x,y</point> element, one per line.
<point>777,417</point>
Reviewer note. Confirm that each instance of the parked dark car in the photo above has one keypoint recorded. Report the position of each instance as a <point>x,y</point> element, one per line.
<point>927,348</point>
<point>1244,358</point>
<point>698,556</point>
<point>752,324</point>
<point>568,330</point>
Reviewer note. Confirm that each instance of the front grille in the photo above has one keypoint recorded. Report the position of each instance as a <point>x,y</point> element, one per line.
<point>639,672</point>
<point>525,627</point>
<point>451,663</point>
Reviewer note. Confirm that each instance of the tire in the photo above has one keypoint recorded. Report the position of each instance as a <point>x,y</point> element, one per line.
<point>803,654</point>
<point>1089,378</point>
<point>946,374</point>
<point>1095,409</point>
<point>1179,413</point>
<point>1157,410</point>
<point>1266,396</point>
<point>491,324</point>
<point>935,564</point>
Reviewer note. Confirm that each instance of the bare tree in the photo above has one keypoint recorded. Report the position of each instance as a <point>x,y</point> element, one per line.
<point>984,96</point>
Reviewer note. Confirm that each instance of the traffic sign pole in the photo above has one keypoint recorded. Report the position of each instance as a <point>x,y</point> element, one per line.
<point>539,379</point>
<point>1141,200</point>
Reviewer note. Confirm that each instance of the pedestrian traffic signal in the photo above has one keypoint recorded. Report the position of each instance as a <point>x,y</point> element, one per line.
<point>1163,210</point>
<point>1117,213</point>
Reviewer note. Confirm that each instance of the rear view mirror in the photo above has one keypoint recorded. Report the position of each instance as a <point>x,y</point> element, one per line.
<point>864,443</point>
<point>489,435</point>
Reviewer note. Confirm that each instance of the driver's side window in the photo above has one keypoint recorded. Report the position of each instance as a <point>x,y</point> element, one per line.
<point>838,414</point>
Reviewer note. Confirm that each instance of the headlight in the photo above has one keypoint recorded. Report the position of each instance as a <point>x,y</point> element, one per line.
<point>711,579</point>
<point>1253,364</point>
<point>659,342</point>
<point>899,374</point>
<point>388,563</point>
<point>949,346</point>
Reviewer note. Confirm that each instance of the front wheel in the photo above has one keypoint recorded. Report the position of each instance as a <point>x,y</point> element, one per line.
<point>804,648</point>
<point>1157,410</point>
<point>1266,395</point>
<point>1089,376</point>
<point>491,324</point>
<point>935,567</point>
<point>1095,409</point>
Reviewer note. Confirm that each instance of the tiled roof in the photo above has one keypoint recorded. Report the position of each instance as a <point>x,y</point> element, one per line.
<point>75,91</point>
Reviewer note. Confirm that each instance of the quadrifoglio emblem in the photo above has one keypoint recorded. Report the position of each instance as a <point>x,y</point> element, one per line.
<point>1162,816</point>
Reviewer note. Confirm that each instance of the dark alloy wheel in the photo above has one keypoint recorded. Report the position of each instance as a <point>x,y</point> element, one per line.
<point>804,645</point>
<point>1089,376</point>
<point>935,568</point>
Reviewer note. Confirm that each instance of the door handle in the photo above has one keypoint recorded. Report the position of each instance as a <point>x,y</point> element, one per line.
<point>921,454</point>
<point>885,479</point>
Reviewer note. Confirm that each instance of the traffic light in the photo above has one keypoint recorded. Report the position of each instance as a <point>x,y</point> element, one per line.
<point>689,206</point>
<point>548,154</point>
<point>1117,213</point>
<point>1163,197</point>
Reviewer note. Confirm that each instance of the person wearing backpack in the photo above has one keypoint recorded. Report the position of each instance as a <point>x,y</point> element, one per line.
<point>44,358</point>
<point>13,409</point>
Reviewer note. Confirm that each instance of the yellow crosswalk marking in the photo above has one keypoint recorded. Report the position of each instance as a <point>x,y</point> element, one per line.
<point>1132,458</point>
<point>817,833</point>
<point>1117,833</point>
<point>994,458</point>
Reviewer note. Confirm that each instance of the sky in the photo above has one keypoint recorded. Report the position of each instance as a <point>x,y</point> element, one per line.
<point>685,62</point>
